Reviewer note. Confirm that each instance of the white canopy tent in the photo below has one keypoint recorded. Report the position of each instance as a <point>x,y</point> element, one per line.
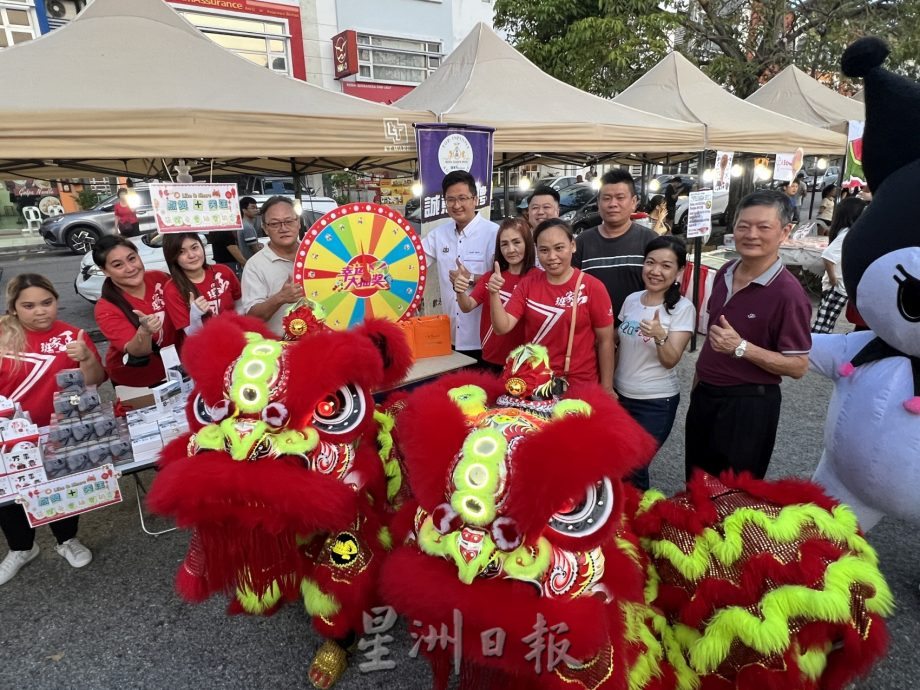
<point>487,82</point>
<point>678,89</point>
<point>794,94</point>
<point>187,98</point>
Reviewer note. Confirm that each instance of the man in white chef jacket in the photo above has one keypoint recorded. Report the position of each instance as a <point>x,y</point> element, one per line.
<point>465,243</point>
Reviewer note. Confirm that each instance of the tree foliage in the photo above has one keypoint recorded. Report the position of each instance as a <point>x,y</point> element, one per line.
<point>604,45</point>
<point>599,46</point>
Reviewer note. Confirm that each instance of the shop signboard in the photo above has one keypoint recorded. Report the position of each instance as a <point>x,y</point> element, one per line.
<point>699,214</point>
<point>195,207</point>
<point>345,54</point>
<point>70,495</point>
<point>444,148</point>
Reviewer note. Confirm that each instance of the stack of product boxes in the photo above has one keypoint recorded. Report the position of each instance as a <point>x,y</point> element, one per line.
<point>154,426</point>
<point>20,452</point>
<point>84,432</point>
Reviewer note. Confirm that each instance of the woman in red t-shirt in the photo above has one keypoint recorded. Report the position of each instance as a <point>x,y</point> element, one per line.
<point>131,314</point>
<point>34,347</point>
<point>125,217</point>
<point>197,289</point>
<point>514,255</point>
<point>544,300</point>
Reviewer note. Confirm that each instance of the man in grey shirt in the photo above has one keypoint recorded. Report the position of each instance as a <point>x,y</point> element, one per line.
<point>247,239</point>
<point>614,251</point>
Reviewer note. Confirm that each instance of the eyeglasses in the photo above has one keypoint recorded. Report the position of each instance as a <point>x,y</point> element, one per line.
<point>278,224</point>
<point>453,200</point>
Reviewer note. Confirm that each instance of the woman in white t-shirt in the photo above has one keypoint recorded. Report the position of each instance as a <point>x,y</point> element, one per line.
<point>833,291</point>
<point>655,327</point>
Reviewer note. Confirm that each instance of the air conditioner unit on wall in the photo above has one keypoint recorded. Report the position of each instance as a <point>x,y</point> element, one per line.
<point>56,9</point>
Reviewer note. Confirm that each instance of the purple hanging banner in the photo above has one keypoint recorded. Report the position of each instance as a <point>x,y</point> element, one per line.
<point>443,148</point>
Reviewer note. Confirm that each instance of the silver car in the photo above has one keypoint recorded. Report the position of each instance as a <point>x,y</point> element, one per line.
<point>82,229</point>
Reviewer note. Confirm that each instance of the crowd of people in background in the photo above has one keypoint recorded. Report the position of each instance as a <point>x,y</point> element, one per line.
<point>606,304</point>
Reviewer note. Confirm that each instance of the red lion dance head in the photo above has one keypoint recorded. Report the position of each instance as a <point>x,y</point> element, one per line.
<point>280,478</point>
<point>525,532</point>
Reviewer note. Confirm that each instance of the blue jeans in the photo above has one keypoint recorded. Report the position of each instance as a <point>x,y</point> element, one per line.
<point>656,416</point>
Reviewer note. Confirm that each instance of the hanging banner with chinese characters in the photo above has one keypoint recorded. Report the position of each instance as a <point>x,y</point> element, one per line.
<point>444,148</point>
<point>195,207</point>
<point>71,495</point>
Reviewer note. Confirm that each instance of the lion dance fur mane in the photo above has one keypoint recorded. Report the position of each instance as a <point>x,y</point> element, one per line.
<point>493,499</point>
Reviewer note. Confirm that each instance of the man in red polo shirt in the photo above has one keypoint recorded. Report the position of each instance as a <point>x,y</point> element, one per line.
<point>760,319</point>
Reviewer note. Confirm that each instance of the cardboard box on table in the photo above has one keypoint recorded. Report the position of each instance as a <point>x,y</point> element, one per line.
<point>20,456</point>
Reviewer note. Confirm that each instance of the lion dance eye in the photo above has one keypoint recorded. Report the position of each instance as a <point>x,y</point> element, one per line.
<point>211,414</point>
<point>584,517</point>
<point>340,412</point>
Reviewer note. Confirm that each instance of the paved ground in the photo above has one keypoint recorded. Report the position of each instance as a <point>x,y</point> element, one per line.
<point>118,624</point>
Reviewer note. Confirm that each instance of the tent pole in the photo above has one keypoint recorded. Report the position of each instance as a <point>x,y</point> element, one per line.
<point>297,193</point>
<point>506,193</point>
<point>697,259</point>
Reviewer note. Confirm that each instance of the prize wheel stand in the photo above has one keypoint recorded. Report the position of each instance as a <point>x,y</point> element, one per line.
<point>362,261</point>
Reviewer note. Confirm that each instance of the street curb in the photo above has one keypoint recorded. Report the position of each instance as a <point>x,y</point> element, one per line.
<point>26,249</point>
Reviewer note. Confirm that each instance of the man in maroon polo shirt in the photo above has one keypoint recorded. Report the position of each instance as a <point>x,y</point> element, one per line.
<point>759,320</point>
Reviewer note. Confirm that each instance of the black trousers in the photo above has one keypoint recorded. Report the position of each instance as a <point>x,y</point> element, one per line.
<point>731,427</point>
<point>20,536</point>
<point>475,354</point>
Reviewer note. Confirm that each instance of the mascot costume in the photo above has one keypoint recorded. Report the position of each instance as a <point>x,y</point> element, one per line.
<point>282,479</point>
<point>871,458</point>
<point>542,568</point>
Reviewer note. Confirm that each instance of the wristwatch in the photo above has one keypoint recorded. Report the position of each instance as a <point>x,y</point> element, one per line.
<point>661,341</point>
<point>739,351</point>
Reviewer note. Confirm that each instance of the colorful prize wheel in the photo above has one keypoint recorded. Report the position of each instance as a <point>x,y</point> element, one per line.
<point>362,261</point>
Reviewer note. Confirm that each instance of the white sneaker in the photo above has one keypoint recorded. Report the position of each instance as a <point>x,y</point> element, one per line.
<point>14,561</point>
<point>75,553</point>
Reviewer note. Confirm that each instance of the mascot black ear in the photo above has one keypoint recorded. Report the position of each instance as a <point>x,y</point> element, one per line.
<point>391,342</point>
<point>890,159</point>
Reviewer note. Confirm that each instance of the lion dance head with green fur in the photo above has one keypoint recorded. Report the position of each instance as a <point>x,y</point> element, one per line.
<point>521,522</point>
<point>281,479</point>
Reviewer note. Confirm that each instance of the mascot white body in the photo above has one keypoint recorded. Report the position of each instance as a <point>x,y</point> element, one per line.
<point>871,458</point>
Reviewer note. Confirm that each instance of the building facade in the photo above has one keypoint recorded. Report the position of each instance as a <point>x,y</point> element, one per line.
<point>368,48</point>
<point>380,51</point>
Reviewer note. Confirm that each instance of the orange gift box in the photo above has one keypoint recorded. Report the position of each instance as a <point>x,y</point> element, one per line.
<point>428,336</point>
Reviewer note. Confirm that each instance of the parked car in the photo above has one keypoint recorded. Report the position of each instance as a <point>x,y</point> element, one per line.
<point>558,182</point>
<point>516,197</point>
<point>82,229</point>
<point>571,199</point>
<point>831,176</point>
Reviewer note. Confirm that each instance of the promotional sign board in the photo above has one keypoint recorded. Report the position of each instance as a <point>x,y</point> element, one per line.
<point>722,177</point>
<point>853,174</point>
<point>195,207</point>
<point>699,214</point>
<point>788,164</point>
<point>71,495</point>
<point>445,148</point>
